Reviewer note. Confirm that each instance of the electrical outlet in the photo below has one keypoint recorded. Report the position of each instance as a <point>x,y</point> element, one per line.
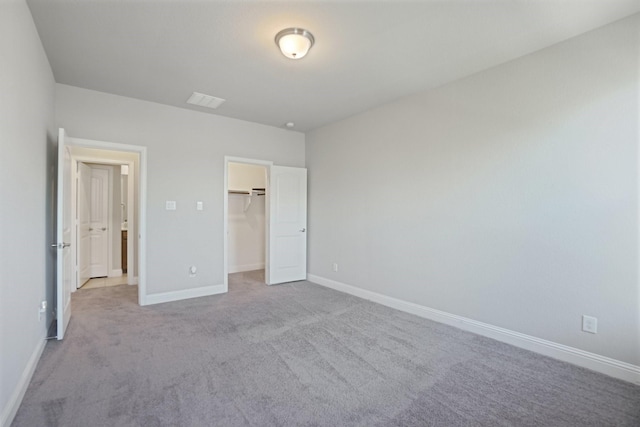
<point>590,324</point>
<point>335,266</point>
<point>192,271</point>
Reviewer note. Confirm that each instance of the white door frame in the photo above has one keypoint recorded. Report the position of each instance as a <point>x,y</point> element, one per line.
<point>267,164</point>
<point>142,196</point>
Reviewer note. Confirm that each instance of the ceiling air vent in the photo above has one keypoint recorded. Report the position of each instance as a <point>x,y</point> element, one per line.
<point>202,100</point>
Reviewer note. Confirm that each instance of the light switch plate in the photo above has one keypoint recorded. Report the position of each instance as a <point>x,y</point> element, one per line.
<point>171,205</point>
<point>199,205</point>
<point>590,324</point>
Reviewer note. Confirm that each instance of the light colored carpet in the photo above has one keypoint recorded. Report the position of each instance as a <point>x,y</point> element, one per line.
<point>299,354</point>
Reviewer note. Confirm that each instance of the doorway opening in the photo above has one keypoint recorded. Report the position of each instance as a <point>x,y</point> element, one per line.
<point>285,220</point>
<point>103,203</point>
<point>107,204</point>
<point>246,219</point>
<point>90,151</point>
<point>102,213</point>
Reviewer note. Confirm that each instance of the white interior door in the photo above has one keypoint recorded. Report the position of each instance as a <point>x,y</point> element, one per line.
<point>84,211</point>
<point>99,222</point>
<point>63,237</point>
<point>287,225</point>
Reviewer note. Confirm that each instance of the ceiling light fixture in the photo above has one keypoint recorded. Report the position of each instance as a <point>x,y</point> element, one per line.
<point>294,42</point>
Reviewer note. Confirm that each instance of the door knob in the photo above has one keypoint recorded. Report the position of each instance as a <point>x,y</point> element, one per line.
<point>90,229</point>
<point>103,228</point>
<point>303,230</point>
<point>60,245</point>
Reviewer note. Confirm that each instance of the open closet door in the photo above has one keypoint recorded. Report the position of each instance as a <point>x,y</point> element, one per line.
<point>63,236</point>
<point>287,225</point>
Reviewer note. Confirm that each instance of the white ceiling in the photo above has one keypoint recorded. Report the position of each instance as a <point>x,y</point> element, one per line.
<point>367,52</point>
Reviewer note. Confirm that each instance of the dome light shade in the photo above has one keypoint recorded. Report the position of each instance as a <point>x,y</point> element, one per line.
<point>294,42</point>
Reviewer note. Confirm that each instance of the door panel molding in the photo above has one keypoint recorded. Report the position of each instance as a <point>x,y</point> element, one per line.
<point>101,220</point>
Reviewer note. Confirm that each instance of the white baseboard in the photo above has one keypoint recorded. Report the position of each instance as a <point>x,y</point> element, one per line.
<point>115,273</point>
<point>183,294</point>
<point>245,267</point>
<point>9,411</point>
<point>606,365</point>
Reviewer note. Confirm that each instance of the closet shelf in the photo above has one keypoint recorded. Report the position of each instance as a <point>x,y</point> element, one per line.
<point>253,192</point>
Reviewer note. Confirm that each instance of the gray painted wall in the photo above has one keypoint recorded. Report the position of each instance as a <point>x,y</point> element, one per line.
<point>186,152</point>
<point>509,197</point>
<point>26,190</point>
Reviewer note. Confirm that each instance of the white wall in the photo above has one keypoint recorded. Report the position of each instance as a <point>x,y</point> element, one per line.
<point>26,211</point>
<point>246,217</point>
<point>509,197</point>
<point>245,177</point>
<point>186,152</point>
